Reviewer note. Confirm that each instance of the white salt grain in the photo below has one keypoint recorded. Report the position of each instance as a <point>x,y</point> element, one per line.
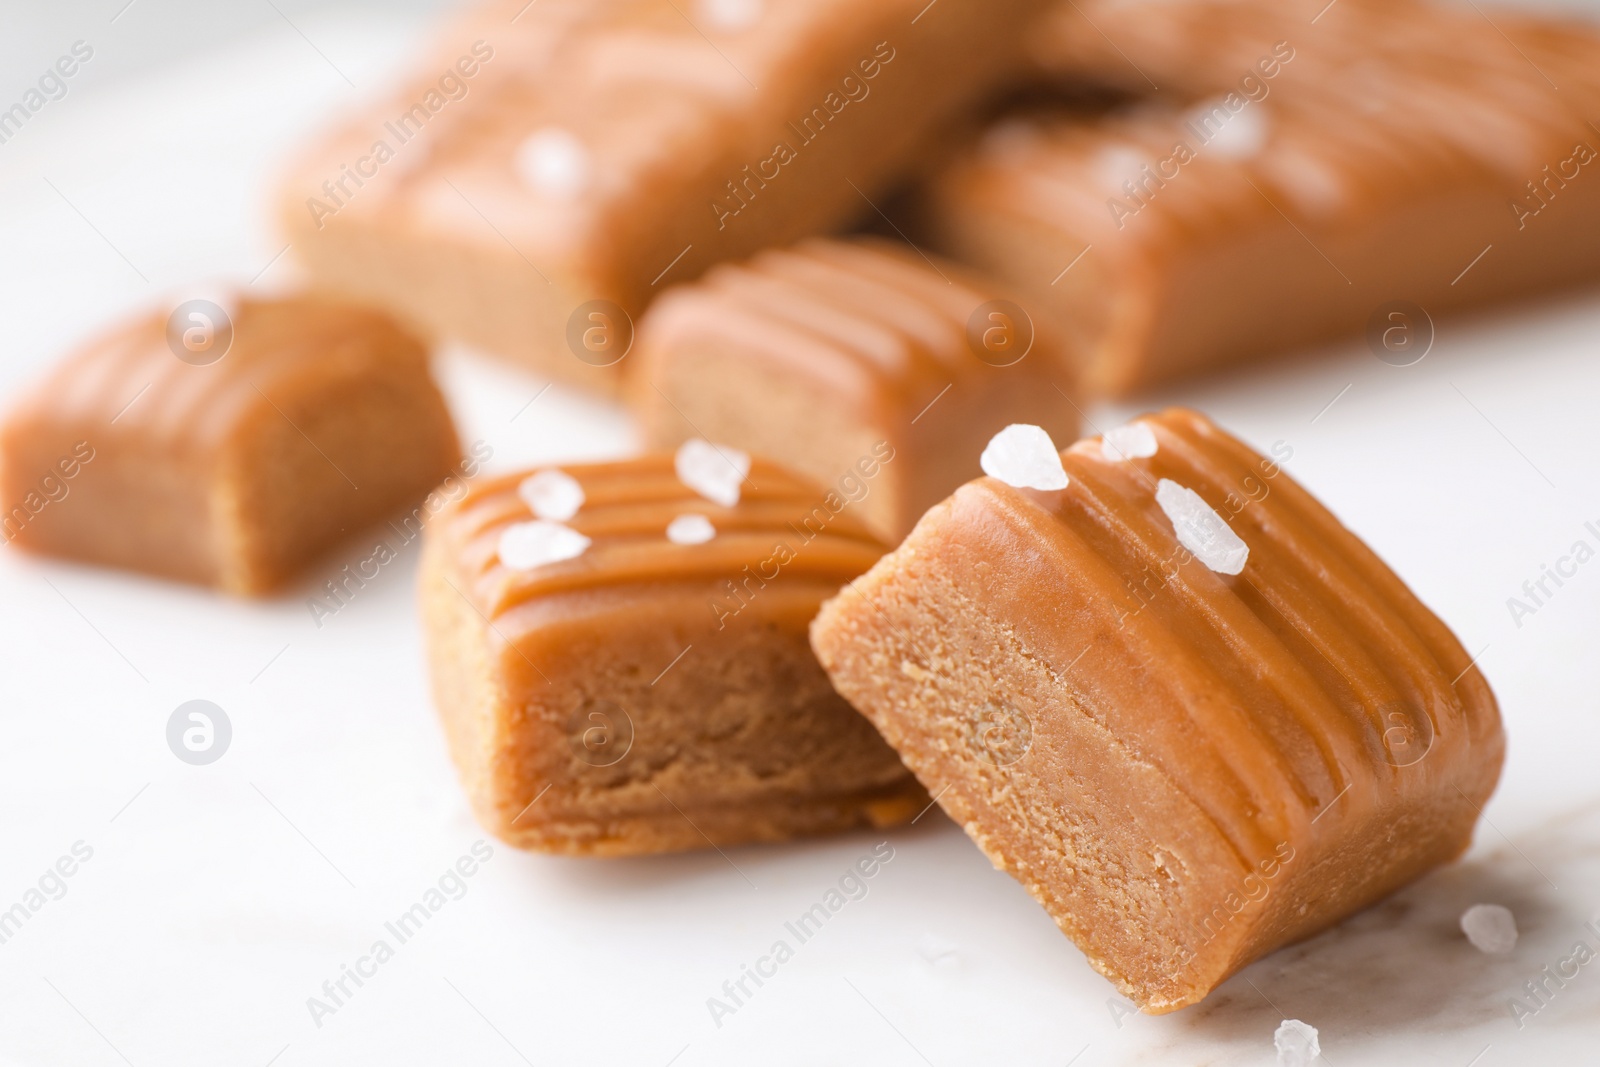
<point>1133,441</point>
<point>730,16</point>
<point>690,530</point>
<point>1229,135</point>
<point>713,471</point>
<point>552,494</point>
<point>1200,529</point>
<point>1296,1043</point>
<point>1490,927</point>
<point>1024,457</point>
<point>526,545</point>
<point>554,161</point>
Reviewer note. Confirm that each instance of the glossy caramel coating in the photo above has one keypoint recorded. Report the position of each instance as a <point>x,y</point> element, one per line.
<point>665,136</point>
<point>715,724</point>
<point>1428,161</point>
<point>319,419</point>
<point>858,363</point>
<point>1187,769</point>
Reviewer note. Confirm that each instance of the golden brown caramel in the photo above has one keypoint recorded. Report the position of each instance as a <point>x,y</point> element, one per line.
<point>235,469</point>
<point>603,150</point>
<point>1283,190</point>
<point>1187,768</point>
<point>648,695</point>
<point>857,363</point>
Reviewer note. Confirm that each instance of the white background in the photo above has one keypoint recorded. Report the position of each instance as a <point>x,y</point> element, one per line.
<point>220,898</point>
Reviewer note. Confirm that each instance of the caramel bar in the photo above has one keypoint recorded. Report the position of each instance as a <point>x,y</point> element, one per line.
<point>1181,237</point>
<point>1172,696</point>
<point>619,657</point>
<point>856,363</point>
<point>224,445</point>
<point>563,162</point>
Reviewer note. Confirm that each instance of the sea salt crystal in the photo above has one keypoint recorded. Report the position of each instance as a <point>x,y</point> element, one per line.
<point>552,494</point>
<point>1133,441</point>
<point>730,16</point>
<point>1296,1043</point>
<point>1229,134</point>
<point>1118,164</point>
<point>1490,927</point>
<point>1024,457</point>
<point>690,530</point>
<point>526,545</point>
<point>1200,529</point>
<point>554,161</point>
<point>713,471</point>
<point>938,951</point>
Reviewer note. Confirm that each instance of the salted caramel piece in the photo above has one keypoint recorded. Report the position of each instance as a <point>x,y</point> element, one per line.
<point>1188,710</point>
<point>1349,193</point>
<point>227,446</point>
<point>858,363</point>
<point>555,166</point>
<point>636,678</point>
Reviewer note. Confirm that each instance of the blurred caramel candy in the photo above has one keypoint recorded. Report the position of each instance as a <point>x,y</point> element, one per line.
<point>1179,702</point>
<point>556,164</point>
<point>1363,174</point>
<point>857,363</point>
<point>621,663</point>
<point>225,446</point>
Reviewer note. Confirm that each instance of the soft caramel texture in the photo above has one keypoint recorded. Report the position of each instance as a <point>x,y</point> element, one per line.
<point>319,420</point>
<point>698,140</point>
<point>716,725</point>
<point>851,362</point>
<point>1407,153</point>
<point>1186,769</point>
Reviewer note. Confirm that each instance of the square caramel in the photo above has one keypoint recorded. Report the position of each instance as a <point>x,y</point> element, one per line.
<point>1188,710</point>
<point>630,673</point>
<point>227,446</point>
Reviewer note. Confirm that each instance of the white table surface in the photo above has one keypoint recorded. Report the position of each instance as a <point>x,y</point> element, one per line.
<point>219,898</point>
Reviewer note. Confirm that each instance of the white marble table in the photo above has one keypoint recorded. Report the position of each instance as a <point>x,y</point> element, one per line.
<point>218,899</point>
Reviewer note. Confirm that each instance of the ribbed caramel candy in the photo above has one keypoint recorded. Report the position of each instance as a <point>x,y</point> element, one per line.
<point>1187,767</point>
<point>228,451</point>
<point>1290,189</point>
<point>857,363</point>
<point>602,150</point>
<point>651,694</point>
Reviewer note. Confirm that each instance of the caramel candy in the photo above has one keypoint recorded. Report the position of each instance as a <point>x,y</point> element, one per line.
<point>600,151</point>
<point>856,363</point>
<point>621,664</point>
<point>1306,200</point>
<point>1188,710</point>
<point>224,446</point>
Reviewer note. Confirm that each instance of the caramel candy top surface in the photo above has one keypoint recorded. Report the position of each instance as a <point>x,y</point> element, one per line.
<point>1312,675</point>
<point>864,314</point>
<point>130,383</point>
<point>780,523</point>
<point>1346,123</point>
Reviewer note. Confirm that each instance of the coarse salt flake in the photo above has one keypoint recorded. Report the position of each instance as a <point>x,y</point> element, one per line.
<point>1200,529</point>
<point>552,494</point>
<point>1296,1043</point>
<point>526,545</point>
<point>1134,441</point>
<point>1490,927</point>
<point>554,161</point>
<point>714,471</point>
<point>690,530</point>
<point>1024,457</point>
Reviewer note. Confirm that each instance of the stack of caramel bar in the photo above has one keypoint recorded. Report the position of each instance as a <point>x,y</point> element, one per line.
<point>855,268</point>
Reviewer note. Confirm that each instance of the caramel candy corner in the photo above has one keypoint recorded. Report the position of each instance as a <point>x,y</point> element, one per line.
<point>1188,710</point>
<point>226,446</point>
<point>600,151</point>
<point>621,663</point>
<point>857,363</point>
